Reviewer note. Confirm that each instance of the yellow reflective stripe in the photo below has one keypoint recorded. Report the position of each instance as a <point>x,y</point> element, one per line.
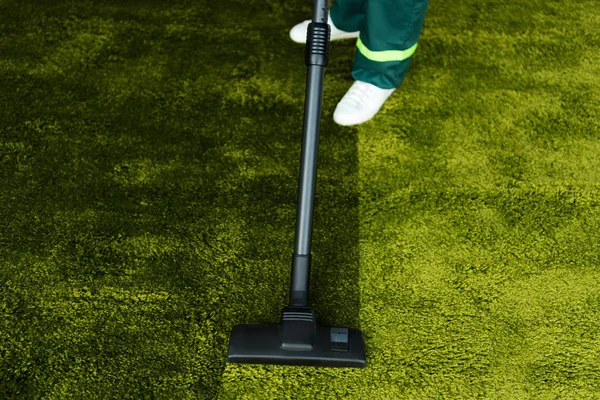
<point>386,55</point>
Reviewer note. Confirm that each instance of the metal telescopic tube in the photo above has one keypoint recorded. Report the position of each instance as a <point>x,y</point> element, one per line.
<point>308,168</point>
<point>317,51</point>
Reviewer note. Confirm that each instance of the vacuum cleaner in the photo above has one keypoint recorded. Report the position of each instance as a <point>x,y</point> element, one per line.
<point>297,339</point>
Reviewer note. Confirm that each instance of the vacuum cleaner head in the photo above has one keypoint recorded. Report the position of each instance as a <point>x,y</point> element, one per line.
<point>297,340</point>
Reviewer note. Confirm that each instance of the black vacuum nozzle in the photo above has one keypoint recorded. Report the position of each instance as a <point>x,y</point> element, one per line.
<point>297,340</point>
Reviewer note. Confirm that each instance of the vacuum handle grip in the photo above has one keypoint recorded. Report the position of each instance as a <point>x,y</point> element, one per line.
<point>317,44</point>
<point>318,35</point>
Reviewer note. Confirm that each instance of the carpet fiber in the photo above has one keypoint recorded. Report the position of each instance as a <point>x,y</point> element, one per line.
<point>149,160</point>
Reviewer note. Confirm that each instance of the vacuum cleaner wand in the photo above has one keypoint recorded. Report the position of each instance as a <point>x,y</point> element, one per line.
<point>297,339</point>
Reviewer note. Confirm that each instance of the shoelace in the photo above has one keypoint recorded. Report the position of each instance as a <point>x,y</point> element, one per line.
<point>357,94</point>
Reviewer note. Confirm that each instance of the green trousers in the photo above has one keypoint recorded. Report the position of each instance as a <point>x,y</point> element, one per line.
<point>389,32</point>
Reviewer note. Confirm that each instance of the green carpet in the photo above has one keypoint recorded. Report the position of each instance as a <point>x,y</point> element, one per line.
<point>149,157</point>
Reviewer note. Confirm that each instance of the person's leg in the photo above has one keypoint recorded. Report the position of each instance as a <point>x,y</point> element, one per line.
<point>388,39</point>
<point>348,15</point>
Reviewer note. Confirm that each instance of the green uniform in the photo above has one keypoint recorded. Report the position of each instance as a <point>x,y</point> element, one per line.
<point>389,32</point>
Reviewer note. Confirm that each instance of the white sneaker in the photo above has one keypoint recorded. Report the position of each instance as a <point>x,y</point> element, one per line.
<point>298,32</point>
<point>360,104</point>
